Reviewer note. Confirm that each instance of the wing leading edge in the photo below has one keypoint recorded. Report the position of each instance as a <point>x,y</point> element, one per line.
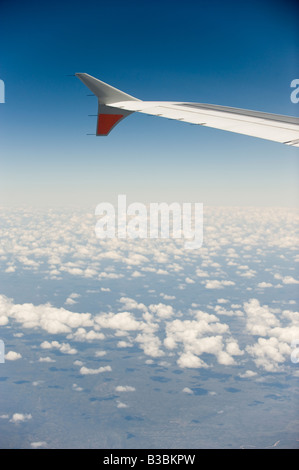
<point>114,105</point>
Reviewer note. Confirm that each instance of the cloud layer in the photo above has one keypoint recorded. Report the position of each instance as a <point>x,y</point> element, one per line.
<point>197,332</point>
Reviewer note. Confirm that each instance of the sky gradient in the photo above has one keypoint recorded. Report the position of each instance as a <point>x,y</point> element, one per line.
<point>240,55</point>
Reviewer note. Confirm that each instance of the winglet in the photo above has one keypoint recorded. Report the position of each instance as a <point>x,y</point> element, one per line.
<point>108,117</point>
<point>106,94</point>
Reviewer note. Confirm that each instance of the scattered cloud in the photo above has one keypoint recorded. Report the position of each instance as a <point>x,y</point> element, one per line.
<point>264,285</point>
<point>216,284</point>
<point>121,404</point>
<point>124,388</point>
<point>248,374</point>
<point>229,258</point>
<point>38,445</point>
<point>46,359</point>
<point>85,371</point>
<point>20,418</point>
<point>12,356</point>
<point>64,348</point>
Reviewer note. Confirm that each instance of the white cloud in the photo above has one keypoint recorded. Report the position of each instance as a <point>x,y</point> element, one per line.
<point>100,353</point>
<point>201,273</point>
<point>131,304</point>
<point>20,418</point>
<point>225,358</point>
<point>248,374</point>
<point>260,319</point>
<point>3,320</point>
<point>269,353</point>
<point>78,363</point>
<point>273,345</point>
<point>124,344</point>
<point>150,344</point>
<point>188,390</point>
<point>46,359</point>
<point>70,301</point>
<point>64,348</point>
<point>286,334</point>
<point>125,388</point>
<point>118,321</point>
<point>77,388</point>
<point>286,279</point>
<point>263,285</point>
<point>289,280</point>
<point>83,335</point>
<point>189,360</point>
<point>239,237</point>
<point>12,356</point>
<point>162,310</point>
<point>216,284</point>
<point>137,274</point>
<point>121,405</point>
<point>38,445</point>
<point>104,275</point>
<point>189,280</point>
<point>167,297</point>
<point>10,269</point>
<point>51,319</point>
<point>222,311</point>
<point>248,274</point>
<point>232,348</point>
<point>86,371</point>
<point>36,383</point>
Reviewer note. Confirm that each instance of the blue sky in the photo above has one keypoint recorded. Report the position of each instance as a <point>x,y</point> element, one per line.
<point>242,55</point>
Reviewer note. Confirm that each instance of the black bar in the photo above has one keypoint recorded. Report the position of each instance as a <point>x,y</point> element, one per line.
<point>136,458</point>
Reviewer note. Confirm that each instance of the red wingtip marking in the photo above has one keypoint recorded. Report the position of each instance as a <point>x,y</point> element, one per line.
<point>106,122</point>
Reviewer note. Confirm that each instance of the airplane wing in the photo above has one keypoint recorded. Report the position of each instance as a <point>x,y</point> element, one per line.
<point>114,105</point>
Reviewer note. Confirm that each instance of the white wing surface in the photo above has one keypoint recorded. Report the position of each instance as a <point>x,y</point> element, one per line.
<point>114,105</point>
